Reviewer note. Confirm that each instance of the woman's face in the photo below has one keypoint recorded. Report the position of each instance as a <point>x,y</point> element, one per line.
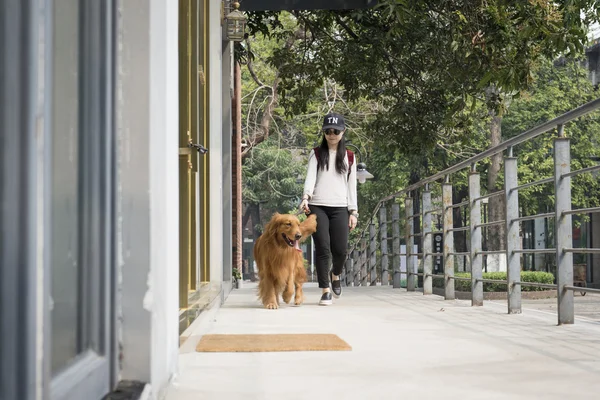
<point>333,136</point>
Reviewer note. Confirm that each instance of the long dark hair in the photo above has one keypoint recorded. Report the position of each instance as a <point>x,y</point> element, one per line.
<point>323,159</point>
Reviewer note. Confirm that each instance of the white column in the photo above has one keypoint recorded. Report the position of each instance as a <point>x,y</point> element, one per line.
<point>215,115</point>
<point>147,201</point>
<point>162,296</point>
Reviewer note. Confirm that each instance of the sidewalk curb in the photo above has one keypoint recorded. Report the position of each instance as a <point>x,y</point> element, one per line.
<point>200,326</point>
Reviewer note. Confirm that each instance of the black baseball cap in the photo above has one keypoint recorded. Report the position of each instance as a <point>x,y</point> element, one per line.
<point>335,121</point>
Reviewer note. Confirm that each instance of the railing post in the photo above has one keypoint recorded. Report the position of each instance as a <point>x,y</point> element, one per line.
<point>373,255</point>
<point>350,269</point>
<point>410,269</point>
<point>363,262</point>
<point>356,267</point>
<point>343,275</point>
<point>397,277</point>
<point>384,246</point>
<point>346,273</point>
<point>427,238</point>
<point>475,235</point>
<point>513,262</point>
<point>448,240</point>
<point>564,229</point>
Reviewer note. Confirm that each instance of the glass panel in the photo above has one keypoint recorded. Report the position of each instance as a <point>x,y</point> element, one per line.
<point>65,302</point>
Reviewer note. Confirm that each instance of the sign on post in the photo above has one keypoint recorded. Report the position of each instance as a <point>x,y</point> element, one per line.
<point>438,247</point>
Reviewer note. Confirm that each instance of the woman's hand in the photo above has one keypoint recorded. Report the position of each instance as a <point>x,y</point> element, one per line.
<point>304,206</point>
<point>352,221</point>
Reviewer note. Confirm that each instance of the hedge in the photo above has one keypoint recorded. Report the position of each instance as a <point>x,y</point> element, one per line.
<point>526,276</point>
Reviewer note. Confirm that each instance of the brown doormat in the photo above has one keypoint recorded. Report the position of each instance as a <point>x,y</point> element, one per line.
<point>271,342</point>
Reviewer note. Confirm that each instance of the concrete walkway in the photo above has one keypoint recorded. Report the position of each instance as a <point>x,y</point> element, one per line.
<point>404,346</point>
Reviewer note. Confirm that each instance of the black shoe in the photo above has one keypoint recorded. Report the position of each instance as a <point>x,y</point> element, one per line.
<point>336,286</point>
<point>326,299</point>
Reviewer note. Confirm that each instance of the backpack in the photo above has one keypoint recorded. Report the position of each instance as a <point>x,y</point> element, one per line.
<point>348,153</point>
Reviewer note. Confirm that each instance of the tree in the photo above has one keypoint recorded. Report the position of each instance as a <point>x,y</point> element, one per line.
<point>424,61</point>
<point>270,182</point>
<point>424,67</point>
<point>267,129</point>
<point>558,89</point>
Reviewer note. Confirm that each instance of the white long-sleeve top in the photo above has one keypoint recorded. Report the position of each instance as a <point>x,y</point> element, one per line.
<point>329,188</point>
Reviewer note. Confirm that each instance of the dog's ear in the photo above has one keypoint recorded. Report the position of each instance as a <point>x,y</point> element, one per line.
<point>276,217</point>
<point>271,227</point>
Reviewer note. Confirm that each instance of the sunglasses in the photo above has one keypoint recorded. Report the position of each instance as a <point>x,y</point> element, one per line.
<point>332,131</point>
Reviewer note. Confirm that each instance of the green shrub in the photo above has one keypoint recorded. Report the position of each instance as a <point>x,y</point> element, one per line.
<point>526,276</point>
<point>538,277</point>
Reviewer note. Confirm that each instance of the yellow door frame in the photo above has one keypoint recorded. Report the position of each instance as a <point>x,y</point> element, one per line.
<point>193,128</point>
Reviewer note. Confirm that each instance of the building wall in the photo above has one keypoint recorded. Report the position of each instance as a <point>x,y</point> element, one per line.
<point>147,126</point>
<point>145,235</point>
<point>593,62</point>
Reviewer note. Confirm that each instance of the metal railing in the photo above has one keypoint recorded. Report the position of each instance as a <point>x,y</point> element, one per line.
<point>368,261</point>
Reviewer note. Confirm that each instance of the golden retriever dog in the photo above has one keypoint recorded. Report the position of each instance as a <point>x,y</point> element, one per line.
<point>279,259</point>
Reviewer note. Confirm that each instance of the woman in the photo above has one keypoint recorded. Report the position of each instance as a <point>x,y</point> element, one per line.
<point>330,193</point>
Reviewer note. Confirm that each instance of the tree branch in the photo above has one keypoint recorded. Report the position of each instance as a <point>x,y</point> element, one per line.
<point>267,116</point>
<point>343,24</point>
<point>251,66</point>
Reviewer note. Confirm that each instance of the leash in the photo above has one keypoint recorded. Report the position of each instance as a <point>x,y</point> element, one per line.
<point>300,213</point>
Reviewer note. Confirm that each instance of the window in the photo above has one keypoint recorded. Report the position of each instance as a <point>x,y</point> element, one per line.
<point>81,181</point>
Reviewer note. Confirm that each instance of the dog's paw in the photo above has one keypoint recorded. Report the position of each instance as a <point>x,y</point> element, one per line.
<point>299,300</point>
<point>272,306</point>
<point>287,297</point>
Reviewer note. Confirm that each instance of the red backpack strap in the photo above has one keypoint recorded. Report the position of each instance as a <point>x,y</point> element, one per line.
<point>316,150</point>
<point>350,161</point>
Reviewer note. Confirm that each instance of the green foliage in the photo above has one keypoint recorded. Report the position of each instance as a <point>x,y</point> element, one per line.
<point>558,89</point>
<point>423,62</point>
<point>526,276</point>
<point>270,176</point>
<point>410,77</point>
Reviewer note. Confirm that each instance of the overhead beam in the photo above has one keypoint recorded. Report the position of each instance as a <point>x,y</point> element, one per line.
<point>289,5</point>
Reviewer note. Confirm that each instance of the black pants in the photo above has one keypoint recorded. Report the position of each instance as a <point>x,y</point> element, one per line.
<point>331,240</point>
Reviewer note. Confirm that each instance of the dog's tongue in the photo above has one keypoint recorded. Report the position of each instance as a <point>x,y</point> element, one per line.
<point>297,245</point>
